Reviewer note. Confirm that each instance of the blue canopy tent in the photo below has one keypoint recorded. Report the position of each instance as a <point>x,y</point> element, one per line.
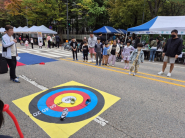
<point>122,31</point>
<point>106,30</point>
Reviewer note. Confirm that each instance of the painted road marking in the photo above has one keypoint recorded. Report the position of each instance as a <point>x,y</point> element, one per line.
<point>126,73</point>
<point>98,119</point>
<point>140,73</point>
<point>33,82</point>
<point>101,121</point>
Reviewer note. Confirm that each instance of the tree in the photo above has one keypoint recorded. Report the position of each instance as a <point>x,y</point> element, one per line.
<point>124,13</point>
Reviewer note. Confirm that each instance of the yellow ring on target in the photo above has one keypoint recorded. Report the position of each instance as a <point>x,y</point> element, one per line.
<point>59,100</point>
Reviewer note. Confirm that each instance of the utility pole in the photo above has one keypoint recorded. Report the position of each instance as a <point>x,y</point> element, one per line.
<point>67,23</point>
<point>143,12</point>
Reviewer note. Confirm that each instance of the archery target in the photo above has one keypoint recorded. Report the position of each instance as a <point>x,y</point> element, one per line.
<point>50,104</point>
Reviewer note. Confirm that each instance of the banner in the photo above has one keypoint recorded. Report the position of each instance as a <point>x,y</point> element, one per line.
<point>39,35</point>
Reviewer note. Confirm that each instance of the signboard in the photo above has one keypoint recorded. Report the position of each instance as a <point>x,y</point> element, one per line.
<point>39,35</point>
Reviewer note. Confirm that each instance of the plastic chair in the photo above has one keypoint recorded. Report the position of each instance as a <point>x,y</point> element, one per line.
<point>6,109</point>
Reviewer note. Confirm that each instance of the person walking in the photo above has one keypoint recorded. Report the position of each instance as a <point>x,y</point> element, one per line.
<point>137,57</point>
<point>26,44</point>
<point>172,50</point>
<point>113,50</point>
<point>49,41</point>
<point>57,41</point>
<point>98,51</point>
<point>74,48</point>
<point>53,41</point>
<point>9,52</point>
<point>32,43</point>
<point>46,43</point>
<point>91,44</point>
<point>153,49</point>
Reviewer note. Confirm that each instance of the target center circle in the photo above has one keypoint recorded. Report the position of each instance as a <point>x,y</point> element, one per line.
<point>59,100</point>
<point>67,99</point>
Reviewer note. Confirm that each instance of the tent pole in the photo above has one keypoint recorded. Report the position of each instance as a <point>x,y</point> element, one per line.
<point>106,36</point>
<point>126,38</point>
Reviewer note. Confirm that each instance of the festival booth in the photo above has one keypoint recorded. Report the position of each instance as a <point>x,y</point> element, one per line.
<point>106,30</point>
<point>122,31</point>
<point>162,25</point>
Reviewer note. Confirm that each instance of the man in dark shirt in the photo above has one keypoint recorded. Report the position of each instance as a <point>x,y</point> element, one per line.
<point>74,46</point>
<point>172,50</point>
<point>137,41</point>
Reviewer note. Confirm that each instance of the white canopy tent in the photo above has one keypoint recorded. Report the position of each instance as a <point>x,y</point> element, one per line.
<point>42,28</point>
<point>2,30</point>
<point>161,25</point>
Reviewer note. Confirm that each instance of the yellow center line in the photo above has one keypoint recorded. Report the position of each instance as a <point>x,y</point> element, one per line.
<point>125,73</point>
<point>144,73</point>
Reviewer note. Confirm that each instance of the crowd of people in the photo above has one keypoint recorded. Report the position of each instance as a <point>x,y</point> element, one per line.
<point>129,50</point>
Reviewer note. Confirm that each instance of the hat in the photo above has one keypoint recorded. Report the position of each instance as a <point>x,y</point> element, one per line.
<point>98,38</point>
<point>72,37</point>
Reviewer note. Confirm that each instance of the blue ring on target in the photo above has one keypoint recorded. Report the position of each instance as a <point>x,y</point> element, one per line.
<point>42,103</point>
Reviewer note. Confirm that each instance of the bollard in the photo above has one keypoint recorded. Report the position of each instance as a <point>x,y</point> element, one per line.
<point>6,109</point>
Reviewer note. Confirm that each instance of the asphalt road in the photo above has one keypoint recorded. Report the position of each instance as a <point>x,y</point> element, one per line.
<point>151,106</point>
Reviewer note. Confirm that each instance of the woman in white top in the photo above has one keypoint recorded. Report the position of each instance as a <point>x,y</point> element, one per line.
<point>32,43</point>
<point>26,43</point>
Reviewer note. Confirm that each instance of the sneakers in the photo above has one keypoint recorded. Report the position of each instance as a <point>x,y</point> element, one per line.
<point>107,64</point>
<point>73,59</point>
<point>160,73</point>
<point>72,100</point>
<point>121,61</point>
<point>99,64</point>
<point>113,65</point>
<point>15,80</point>
<point>129,73</point>
<point>76,59</point>
<point>149,60</point>
<point>134,74</point>
<point>96,64</point>
<point>88,101</point>
<point>169,75</point>
<point>84,61</point>
<point>64,114</point>
<point>127,67</point>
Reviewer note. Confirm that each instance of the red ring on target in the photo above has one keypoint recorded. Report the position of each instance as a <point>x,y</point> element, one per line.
<point>50,101</point>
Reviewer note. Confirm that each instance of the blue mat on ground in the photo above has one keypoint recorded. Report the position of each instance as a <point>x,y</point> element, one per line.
<point>30,59</point>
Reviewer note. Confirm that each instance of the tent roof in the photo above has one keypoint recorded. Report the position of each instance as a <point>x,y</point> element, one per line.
<point>162,23</point>
<point>106,30</point>
<point>42,28</point>
<point>2,30</point>
<point>144,27</point>
<point>122,31</point>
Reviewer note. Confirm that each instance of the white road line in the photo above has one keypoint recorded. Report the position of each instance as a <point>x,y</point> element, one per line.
<point>101,121</point>
<point>62,53</point>
<point>98,119</point>
<point>33,82</point>
<point>39,54</point>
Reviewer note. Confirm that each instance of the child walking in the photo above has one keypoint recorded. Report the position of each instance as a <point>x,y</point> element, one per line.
<point>26,44</point>
<point>85,50</point>
<point>98,51</point>
<point>136,57</point>
<point>74,46</point>
<point>40,44</point>
<point>105,54</point>
<point>126,53</point>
